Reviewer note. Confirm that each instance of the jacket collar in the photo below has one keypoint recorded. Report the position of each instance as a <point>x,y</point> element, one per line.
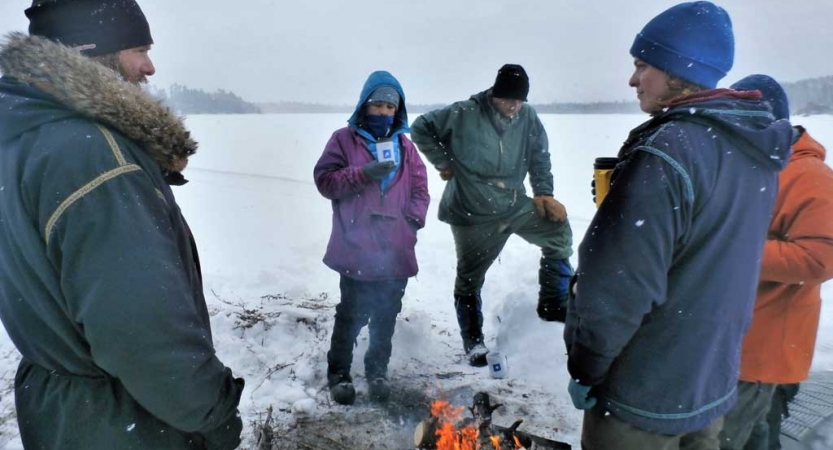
<point>807,147</point>
<point>713,94</point>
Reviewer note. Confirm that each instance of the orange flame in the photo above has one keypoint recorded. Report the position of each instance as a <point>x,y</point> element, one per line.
<point>450,437</point>
<point>517,442</point>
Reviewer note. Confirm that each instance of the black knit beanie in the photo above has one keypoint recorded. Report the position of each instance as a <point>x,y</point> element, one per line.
<point>96,27</point>
<point>511,82</point>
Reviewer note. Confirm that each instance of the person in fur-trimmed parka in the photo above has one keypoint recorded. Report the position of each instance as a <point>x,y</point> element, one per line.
<point>100,287</point>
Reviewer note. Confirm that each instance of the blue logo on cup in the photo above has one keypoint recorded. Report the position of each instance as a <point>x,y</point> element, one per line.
<point>496,367</point>
<point>386,154</point>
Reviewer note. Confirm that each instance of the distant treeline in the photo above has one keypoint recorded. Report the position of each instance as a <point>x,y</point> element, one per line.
<point>589,108</point>
<point>196,101</point>
<point>301,108</point>
<point>549,108</point>
<point>812,96</point>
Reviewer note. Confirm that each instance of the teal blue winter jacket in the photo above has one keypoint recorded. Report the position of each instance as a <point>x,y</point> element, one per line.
<point>100,289</point>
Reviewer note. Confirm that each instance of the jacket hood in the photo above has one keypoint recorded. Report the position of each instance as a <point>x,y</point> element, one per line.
<point>46,82</point>
<point>376,79</point>
<point>807,147</point>
<point>748,122</point>
<point>483,99</point>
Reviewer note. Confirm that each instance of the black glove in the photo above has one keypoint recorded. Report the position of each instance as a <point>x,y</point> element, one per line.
<point>376,169</point>
<point>553,309</point>
<point>413,224</point>
<point>226,436</point>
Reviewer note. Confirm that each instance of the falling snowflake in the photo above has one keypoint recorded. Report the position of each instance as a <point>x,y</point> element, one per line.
<point>639,223</point>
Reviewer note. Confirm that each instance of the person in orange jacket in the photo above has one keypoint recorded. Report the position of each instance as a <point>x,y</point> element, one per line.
<point>798,258</point>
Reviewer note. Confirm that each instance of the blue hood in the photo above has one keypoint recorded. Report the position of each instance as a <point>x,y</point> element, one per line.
<point>747,122</point>
<point>376,79</point>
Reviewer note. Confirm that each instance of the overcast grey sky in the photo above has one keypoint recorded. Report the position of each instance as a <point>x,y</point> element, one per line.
<point>445,50</point>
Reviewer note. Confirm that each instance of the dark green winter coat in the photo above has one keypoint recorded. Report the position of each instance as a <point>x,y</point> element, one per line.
<point>490,159</point>
<point>99,282</point>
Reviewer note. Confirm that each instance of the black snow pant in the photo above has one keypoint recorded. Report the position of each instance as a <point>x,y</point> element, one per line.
<point>376,302</point>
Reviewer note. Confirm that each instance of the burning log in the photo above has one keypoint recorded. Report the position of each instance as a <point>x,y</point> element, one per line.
<point>446,429</point>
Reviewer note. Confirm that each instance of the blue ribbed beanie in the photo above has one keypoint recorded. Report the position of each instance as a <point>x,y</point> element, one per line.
<point>692,41</point>
<point>771,91</point>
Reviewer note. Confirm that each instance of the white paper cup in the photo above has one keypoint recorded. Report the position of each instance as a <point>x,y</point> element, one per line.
<point>384,151</point>
<point>498,366</point>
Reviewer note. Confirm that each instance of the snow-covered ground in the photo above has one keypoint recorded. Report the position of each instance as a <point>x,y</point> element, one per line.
<point>262,229</point>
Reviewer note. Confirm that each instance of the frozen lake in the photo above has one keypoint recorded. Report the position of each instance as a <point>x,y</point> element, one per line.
<point>262,228</point>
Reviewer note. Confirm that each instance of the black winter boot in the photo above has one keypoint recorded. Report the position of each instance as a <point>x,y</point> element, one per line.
<point>554,277</point>
<point>470,319</point>
<point>379,389</point>
<point>341,388</point>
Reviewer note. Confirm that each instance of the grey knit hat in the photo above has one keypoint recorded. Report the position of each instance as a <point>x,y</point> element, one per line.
<point>385,94</point>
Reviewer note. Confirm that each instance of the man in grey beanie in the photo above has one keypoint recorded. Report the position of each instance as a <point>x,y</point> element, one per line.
<point>100,286</point>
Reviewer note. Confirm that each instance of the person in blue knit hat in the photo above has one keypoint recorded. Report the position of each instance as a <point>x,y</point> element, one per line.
<point>798,257</point>
<point>664,288</point>
<point>771,92</point>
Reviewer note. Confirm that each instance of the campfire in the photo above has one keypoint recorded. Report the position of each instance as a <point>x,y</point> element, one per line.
<point>447,429</point>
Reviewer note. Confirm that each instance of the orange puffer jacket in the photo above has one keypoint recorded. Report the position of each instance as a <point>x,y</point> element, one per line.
<point>798,257</point>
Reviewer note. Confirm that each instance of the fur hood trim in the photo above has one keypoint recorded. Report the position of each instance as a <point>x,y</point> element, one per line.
<point>100,94</point>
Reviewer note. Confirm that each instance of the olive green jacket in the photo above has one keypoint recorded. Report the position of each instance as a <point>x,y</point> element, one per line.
<point>490,158</point>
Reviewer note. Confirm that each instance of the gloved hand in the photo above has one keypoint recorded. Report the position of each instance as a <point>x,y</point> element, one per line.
<point>548,207</point>
<point>446,173</point>
<point>553,309</point>
<point>376,169</point>
<point>413,224</point>
<point>580,394</point>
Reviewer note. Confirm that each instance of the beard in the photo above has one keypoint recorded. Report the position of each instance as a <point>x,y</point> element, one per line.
<point>113,63</point>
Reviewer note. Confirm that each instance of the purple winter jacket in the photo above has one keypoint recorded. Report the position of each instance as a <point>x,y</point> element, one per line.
<point>373,235</point>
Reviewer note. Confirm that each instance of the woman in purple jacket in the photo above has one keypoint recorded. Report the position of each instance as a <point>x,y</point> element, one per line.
<point>379,191</point>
